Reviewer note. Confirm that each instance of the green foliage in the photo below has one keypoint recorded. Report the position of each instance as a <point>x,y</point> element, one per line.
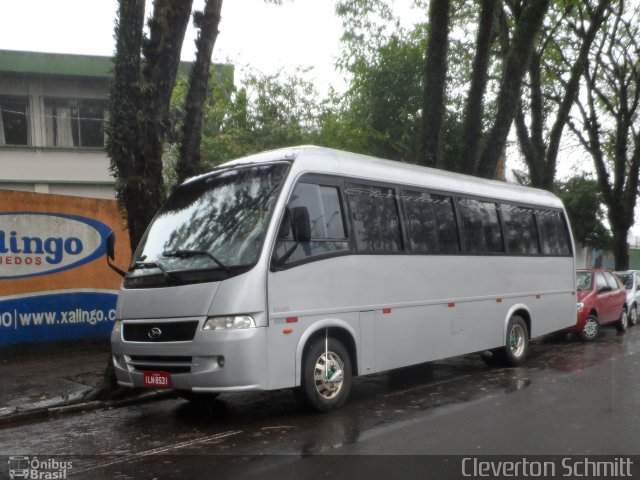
<point>264,112</point>
<point>583,201</point>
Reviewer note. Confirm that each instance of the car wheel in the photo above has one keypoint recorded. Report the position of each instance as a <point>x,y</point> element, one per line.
<point>591,328</point>
<point>633,316</point>
<point>326,375</point>
<point>623,321</point>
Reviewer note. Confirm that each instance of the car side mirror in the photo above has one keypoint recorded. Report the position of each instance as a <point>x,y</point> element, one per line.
<point>300,224</point>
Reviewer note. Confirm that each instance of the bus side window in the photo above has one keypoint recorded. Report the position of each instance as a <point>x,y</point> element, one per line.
<point>376,220</point>
<point>553,233</point>
<point>328,233</point>
<point>520,230</point>
<point>480,226</point>
<point>431,223</point>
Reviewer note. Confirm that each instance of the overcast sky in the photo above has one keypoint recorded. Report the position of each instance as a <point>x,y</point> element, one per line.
<point>264,36</point>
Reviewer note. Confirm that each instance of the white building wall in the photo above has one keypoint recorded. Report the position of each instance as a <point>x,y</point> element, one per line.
<point>68,171</point>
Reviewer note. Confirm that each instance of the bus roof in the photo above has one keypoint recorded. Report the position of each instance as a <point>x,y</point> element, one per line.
<point>309,158</point>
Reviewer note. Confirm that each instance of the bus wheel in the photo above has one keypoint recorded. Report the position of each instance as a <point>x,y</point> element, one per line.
<point>590,330</point>
<point>326,375</point>
<point>517,342</point>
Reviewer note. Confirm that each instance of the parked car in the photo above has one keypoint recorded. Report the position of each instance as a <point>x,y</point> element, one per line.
<point>602,299</point>
<point>631,280</point>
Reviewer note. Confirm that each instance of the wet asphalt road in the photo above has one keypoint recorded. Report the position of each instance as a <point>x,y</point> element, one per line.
<point>570,398</point>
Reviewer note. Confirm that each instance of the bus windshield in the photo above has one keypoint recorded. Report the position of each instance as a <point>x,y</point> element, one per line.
<point>215,224</point>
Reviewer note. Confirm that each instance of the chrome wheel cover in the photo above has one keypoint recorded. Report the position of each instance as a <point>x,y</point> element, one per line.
<point>517,340</point>
<point>590,328</point>
<point>328,375</point>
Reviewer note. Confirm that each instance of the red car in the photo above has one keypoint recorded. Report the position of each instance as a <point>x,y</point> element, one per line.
<point>602,299</point>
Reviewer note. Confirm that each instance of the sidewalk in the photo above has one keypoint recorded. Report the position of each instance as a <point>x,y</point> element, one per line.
<point>54,379</point>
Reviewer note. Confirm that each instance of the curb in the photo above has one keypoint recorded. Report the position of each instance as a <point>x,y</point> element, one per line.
<point>74,403</point>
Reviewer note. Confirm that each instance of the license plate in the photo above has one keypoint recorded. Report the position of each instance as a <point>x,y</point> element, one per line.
<point>157,379</point>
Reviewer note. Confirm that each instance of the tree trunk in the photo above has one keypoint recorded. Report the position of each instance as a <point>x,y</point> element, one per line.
<point>472,127</point>
<point>621,248</point>
<point>542,162</point>
<point>189,162</point>
<point>528,26</point>
<point>435,73</point>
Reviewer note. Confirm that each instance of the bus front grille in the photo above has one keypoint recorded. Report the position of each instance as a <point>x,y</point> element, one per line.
<point>159,332</point>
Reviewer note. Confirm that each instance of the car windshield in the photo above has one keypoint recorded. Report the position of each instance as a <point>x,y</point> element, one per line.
<point>584,280</point>
<point>214,223</point>
<point>627,279</point>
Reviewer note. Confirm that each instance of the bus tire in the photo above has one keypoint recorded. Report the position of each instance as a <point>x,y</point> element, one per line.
<point>517,342</point>
<point>316,388</point>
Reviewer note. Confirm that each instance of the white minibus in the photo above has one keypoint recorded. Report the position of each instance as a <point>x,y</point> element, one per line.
<point>304,267</point>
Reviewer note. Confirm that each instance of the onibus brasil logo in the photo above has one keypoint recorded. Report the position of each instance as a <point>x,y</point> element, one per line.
<point>38,469</point>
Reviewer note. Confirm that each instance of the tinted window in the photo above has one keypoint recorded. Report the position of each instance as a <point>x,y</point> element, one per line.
<point>480,226</point>
<point>554,237</point>
<point>520,230</point>
<point>375,218</point>
<point>224,214</point>
<point>328,234</point>
<point>431,223</point>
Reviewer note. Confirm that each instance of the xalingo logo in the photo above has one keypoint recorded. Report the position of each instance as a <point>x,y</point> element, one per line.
<point>33,468</point>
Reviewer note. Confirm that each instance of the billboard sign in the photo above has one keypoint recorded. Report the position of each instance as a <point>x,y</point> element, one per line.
<point>54,280</point>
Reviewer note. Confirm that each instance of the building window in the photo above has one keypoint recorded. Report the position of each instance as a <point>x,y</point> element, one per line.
<point>14,121</point>
<point>75,123</point>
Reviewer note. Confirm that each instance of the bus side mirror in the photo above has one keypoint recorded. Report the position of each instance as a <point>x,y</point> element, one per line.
<point>111,246</point>
<point>111,254</point>
<point>285,226</point>
<point>300,224</point>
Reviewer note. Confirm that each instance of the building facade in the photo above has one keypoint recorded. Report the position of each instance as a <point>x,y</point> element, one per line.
<point>52,113</point>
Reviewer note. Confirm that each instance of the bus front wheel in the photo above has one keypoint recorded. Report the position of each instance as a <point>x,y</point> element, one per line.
<point>326,375</point>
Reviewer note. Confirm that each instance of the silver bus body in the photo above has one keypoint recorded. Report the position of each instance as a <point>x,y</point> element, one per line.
<point>388,310</point>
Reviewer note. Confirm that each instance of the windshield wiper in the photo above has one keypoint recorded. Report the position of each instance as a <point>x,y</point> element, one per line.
<point>158,265</point>
<point>196,253</point>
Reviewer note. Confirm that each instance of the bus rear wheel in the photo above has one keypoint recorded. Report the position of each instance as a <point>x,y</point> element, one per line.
<point>516,345</point>
<point>326,375</point>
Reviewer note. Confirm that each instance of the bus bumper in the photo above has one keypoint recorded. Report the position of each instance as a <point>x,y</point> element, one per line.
<point>215,361</point>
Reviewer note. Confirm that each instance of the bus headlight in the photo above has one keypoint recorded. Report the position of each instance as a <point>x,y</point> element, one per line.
<point>229,323</point>
<point>580,305</point>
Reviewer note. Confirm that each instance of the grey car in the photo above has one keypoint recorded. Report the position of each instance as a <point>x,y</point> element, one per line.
<point>631,280</point>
